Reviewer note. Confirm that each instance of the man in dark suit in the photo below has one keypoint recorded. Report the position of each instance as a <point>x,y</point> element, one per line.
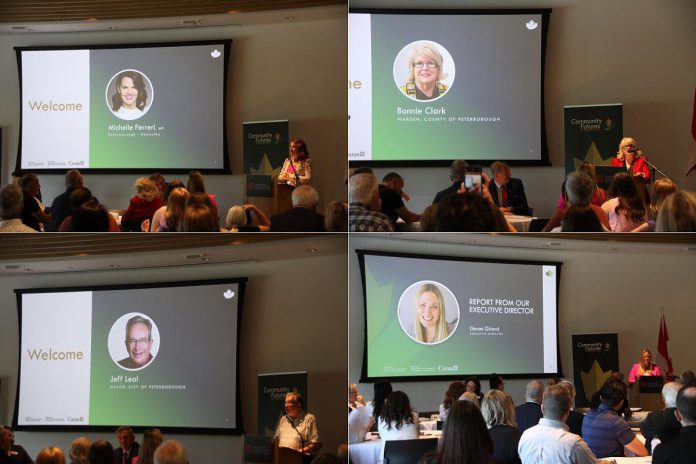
<point>129,448</point>
<point>457,175</point>
<point>529,413</point>
<point>682,448</point>
<point>663,424</point>
<point>303,216</point>
<point>507,192</point>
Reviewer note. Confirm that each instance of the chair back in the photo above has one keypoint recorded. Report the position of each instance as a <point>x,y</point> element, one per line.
<point>407,451</point>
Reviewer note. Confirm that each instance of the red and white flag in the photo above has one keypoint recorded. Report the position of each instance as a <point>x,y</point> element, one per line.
<point>691,165</point>
<point>663,359</point>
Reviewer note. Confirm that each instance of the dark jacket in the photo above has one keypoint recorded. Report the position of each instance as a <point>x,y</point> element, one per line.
<point>517,200</point>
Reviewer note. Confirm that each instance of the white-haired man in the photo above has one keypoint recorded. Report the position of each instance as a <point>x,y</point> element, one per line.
<point>662,425</point>
<point>303,216</point>
<point>365,204</point>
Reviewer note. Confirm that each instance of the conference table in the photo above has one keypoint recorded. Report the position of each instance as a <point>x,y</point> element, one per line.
<point>370,450</point>
<point>520,223</point>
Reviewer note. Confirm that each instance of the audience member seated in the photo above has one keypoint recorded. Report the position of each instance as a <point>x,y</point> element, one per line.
<point>578,219</point>
<point>142,205</point>
<point>361,420</point>
<point>11,205</point>
<point>33,214</point>
<point>196,184</point>
<point>625,209</point>
<point>682,448</point>
<point>336,217</point>
<point>392,195</point>
<point>90,217</point>
<point>158,219</point>
<point>507,192</point>
<point>60,208</point>
<point>199,218</point>
<point>529,413</point>
<point>499,414</point>
<point>688,378</point>
<point>549,440</point>
<point>297,429</point>
<point>627,158</point>
<point>473,385</point>
<point>579,190</point>
<point>78,197</point>
<point>678,213</point>
<point>464,212</point>
<point>101,452</point>
<point>575,419</point>
<point>606,433</point>
<point>457,175</point>
<point>595,399</point>
<point>663,425</point>
<point>174,213</point>
<point>152,438</point>
<point>470,396</point>
<point>397,421</point>
<point>128,447</point>
<point>303,216</point>
<point>17,452</point>
<point>599,195</point>
<point>160,183</point>
<point>496,382</point>
<point>353,402</point>
<point>454,391</point>
<point>364,207</point>
<point>239,219</point>
<point>79,449</point>
<point>465,438</point>
<point>661,190</point>
<point>50,455</point>
<point>171,452</point>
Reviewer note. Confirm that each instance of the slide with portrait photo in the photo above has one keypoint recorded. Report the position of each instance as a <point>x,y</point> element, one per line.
<point>146,356</point>
<point>439,317</point>
<point>128,107</point>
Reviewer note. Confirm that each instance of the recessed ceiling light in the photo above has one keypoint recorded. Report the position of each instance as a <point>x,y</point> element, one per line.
<point>312,250</point>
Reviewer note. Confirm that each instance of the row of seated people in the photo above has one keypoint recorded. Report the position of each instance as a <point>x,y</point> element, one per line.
<point>157,206</point>
<point>582,205</point>
<point>545,428</point>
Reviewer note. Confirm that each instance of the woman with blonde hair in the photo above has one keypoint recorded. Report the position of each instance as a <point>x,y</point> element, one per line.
<point>143,205</point>
<point>499,414</point>
<point>644,367</point>
<point>152,438</point>
<point>425,71</point>
<point>176,205</point>
<point>631,158</point>
<point>79,449</point>
<point>429,322</point>
<point>50,455</point>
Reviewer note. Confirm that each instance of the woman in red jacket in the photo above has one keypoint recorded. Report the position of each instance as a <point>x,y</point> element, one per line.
<point>630,157</point>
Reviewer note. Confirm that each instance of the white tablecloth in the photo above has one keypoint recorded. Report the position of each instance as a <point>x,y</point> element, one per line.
<point>520,223</point>
<point>369,451</point>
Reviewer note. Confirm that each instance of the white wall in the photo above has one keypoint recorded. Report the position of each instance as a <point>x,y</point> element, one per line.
<point>281,71</point>
<point>600,292</point>
<point>635,52</point>
<point>285,327</point>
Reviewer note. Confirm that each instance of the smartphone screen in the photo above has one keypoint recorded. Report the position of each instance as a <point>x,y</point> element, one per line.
<point>472,179</point>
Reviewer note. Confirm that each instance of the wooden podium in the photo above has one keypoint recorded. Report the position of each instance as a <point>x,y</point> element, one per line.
<point>644,394</point>
<point>279,202</point>
<point>282,455</point>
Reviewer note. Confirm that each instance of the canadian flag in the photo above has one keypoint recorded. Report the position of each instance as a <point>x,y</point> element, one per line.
<point>663,359</point>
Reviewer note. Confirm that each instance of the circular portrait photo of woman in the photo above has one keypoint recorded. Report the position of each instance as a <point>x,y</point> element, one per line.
<point>129,94</point>
<point>424,71</point>
<point>134,341</point>
<point>428,312</point>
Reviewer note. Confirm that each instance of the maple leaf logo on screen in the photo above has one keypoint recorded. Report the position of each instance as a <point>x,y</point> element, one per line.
<point>549,273</point>
<point>228,294</point>
<point>531,25</point>
<point>215,53</point>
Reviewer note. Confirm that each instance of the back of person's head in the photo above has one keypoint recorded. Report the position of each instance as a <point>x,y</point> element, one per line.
<point>579,188</point>
<point>688,378</point>
<point>612,392</point>
<point>195,183</point>
<point>176,183</point>
<point>305,196</point>
<point>589,169</point>
<point>678,213</point>
<point>428,218</point>
<point>465,438</point>
<point>497,409</point>
<point>686,404</point>
<point>468,212</point>
<point>534,391</point>
<point>145,189</point>
<point>470,396</point>
<point>100,452</point>
<point>458,170</point>
<point>11,202</point>
<point>90,217</point>
<point>176,205</point>
<point>158,180</point>
<point>50,455</point>
<point>79,196</point>
<point>669,393</point>
<point>555,403</point>
<point>79,449</point>
<point>236,217</point>
<point>393,181</point>
<point>454,391</point>
<point>361,188</point>
<point>581,219</point>
<point>623,186</point>
<point>569,388</point>
<point>500,166</point>
<point>27,180</point>
<point>363,170</point>
<point>199,218</point>
<point>397,410</point>
<point>495,382</point>
<point>336,217</point>
<point>152,438</point>
<point>661,190</point>
<point>73,178</point>
<point>171,452</point>
<point>382,389</point>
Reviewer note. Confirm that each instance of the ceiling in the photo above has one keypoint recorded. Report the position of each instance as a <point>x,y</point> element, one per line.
<point>35,16</point>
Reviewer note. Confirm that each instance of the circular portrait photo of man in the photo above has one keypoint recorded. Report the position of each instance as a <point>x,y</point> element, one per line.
<point>134,341</point>
<point>129,94</point>
<point>424,71</point>
<point>428,312</point>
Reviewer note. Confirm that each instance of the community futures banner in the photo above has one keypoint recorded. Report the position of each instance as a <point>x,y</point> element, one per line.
<point>595,358</point>
<point>265,149</point>
<point>271,397</point>
<point>592,133</point>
